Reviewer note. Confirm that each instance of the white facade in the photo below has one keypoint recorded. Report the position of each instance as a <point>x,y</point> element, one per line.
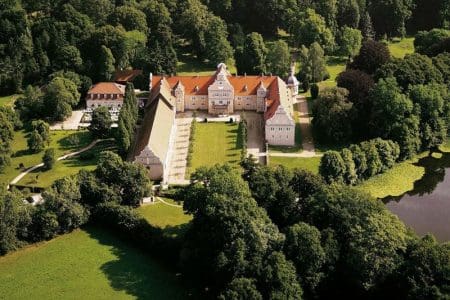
<point>280,129</point>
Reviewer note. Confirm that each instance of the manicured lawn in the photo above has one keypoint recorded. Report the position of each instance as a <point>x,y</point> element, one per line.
<point>215,143</point>
<point>396,181</point>
<point>8,100</point>
<point>308,164</point>
<point>172,219</point>
<point>71,166</point>
<point>399,48</point>
<point>86,264</point>
<point>59,141</point>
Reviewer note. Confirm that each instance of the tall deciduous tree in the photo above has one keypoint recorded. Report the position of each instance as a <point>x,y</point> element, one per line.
<point>101,122</point>
<point>350,41</point>
<point>389,16</point>
<point>278,58</point>
<point>6,137</point>
<point>252,59</point>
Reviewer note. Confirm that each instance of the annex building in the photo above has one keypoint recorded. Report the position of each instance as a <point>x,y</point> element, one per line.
<point>218,94</point>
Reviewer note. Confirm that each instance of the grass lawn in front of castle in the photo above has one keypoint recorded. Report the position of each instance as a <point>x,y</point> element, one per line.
<point>310,164</point>
<point>215,143</point>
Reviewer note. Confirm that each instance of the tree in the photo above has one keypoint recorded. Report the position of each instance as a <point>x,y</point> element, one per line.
<point>359,85</point>
<point>309,27</point>
<point>332,167</point>
<point>35,142</point>
<point>389,16</point>
<point>68,58</point>
<point>372,56</point>
<point>130,18</point>
<point>60,97</point>
<point>312,65</point>
<point>252,59</point>
<point>367,27</point>
<point>360,160</point>
<point>350,41</point>
<point>241,288</point>
<point>393,117</point>
<point>333,115</point>
<point>6,137</point>
<point>303,247</point>
<point>279,278</point>
<point>278,58</point>
<point>105,63</point>
<point>101,122</point>
<point>14,221</point>
<point>219,48</point>
<point>49,158</point>
<point>43,128</point>
<point>432,113</point>
<point>425,40</point>
<point>350,175</point>
<point>30,105</point>
<point>424,271</point>
<point>412,70</point>
<point>348,14</point>
<point>442,63</point>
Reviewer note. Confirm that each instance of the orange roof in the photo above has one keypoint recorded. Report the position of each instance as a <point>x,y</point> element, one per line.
<point>107,88</point>
<point>126,75</point>
<point>273,99</point>
<point>243,85</point>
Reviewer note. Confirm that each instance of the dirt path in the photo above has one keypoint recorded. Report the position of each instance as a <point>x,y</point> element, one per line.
<point>29,170</point>
<point>305,128</point>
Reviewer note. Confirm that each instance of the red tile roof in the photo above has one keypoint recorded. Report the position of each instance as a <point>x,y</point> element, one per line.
<point>107,88</point>
<point>203,82</point>
<point>126,75</point>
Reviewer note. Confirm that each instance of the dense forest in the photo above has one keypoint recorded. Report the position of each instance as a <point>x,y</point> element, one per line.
<point>262,233</point>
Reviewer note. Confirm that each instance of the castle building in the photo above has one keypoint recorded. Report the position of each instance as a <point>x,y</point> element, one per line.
<point>218,94</point>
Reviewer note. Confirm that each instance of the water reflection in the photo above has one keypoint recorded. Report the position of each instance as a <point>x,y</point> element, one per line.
<point>426,209</point>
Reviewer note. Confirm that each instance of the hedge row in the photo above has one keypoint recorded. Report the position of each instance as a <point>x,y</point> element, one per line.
<point>359,162</point>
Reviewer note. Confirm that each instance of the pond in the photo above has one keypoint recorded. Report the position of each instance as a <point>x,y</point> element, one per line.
<point>426,209</point>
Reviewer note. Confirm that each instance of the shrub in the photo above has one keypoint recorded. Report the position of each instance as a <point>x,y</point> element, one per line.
<point>314,91</point>
<point>332,167</point>
<point>49,158</point>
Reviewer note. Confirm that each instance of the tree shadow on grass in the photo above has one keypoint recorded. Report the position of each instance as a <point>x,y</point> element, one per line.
<point>135,272</point>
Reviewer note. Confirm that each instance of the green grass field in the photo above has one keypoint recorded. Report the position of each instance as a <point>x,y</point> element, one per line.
<point>400,47</point>
<point>71,166</point>
<point>86,264</point>
<point>189,65</point>
<point>59,141</point>
<point>396,181</point>
<point>308,164</point>
<point>215,143</point>
<point>172,219</point>
<point>8,100</point>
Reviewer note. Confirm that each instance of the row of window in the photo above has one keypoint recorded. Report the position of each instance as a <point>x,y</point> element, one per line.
<point>280,129</point>
<point>104,96</point>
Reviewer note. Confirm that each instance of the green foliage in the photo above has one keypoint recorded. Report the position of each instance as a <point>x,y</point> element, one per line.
<point>43,128</point>
<point>389,17</point>
<point>371,57</point>
<point>105,63</point>
<point>309,27</point>
<point>350,41</point>
<point>60,97</point>
<point>312,65</point>
<point>413,69</point>
<point>128,118</point>
<point>252,58</point>
<point>303,247</point>
<point>241,288</point>
<point>6,138</point>
<point>49,158</point>
<point>35,142</point>
<point>332,115</point>
<point>425,40</point>
<point>278,58</point>
<point>315,90</point>
<point>442,63</point>
<point>130,18</point>
<point>101,122</point>
<point>332,167</point>
<point>218,49</point>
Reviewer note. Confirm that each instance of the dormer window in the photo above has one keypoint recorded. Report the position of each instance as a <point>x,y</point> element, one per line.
<point>245,87</point>
<point>196,88</point>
